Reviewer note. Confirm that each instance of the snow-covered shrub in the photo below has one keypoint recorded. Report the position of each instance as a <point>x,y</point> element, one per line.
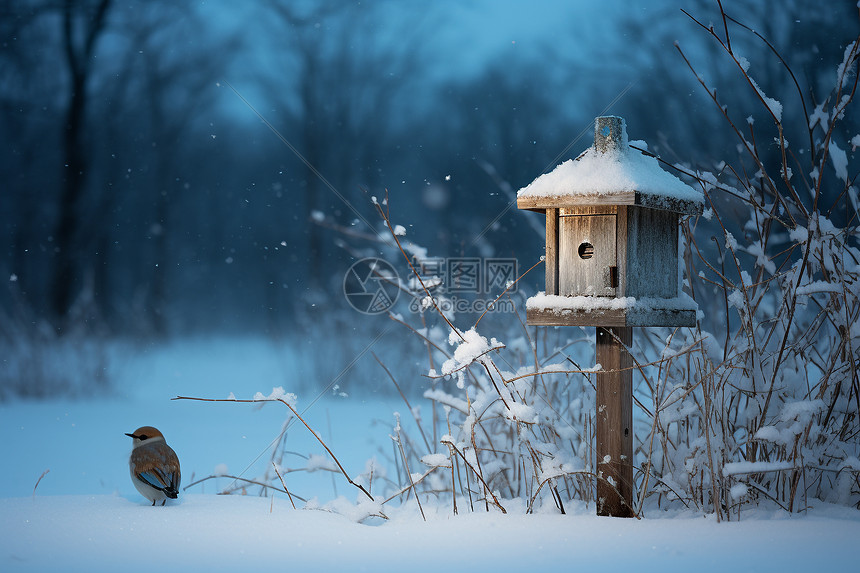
<point>759,402</point>
<point>38,363</point>
<point>767,406</point>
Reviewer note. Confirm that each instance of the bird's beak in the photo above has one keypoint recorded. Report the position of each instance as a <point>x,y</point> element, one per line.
<point>131,435</point>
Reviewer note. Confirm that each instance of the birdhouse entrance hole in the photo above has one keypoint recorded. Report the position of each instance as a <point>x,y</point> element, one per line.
<point>586,251</point>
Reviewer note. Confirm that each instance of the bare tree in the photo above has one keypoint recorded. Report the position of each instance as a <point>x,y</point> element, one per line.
<point>177,88</point>
<point>82,26</point>
<point>348,82</point>
<point>28,111</point>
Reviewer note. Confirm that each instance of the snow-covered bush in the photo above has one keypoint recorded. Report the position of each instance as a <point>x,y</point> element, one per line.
<point>37,362</point>
<point>767,405</point>
<point>761,401</point>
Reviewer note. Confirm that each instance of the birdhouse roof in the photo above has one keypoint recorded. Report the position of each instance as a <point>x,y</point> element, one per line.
<point>621,176</point>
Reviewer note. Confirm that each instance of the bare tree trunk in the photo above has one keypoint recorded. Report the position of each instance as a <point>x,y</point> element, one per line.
<point>67,276</point>
<point>313,154</point>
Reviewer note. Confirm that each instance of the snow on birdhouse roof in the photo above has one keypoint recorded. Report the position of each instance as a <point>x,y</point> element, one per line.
<point>611,174</point>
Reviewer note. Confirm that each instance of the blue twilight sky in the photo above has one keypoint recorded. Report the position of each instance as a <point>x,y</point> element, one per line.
<point>458,37</point>
<point>468,31</point>
<point>494,27</point>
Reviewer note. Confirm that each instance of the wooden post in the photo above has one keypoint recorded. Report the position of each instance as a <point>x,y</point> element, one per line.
<point>614,426</point>
<point>551,260</point>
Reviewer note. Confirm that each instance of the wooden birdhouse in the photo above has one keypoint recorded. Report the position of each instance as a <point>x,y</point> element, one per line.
<point>612,262</point>
<point>612,218</point>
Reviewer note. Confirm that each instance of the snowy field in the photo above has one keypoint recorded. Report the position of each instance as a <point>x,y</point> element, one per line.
<point>86,515</point>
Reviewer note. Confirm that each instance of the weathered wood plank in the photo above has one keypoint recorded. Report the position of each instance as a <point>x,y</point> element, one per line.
<point>620,317</point>
<point>589,210</point>
<point>535,317</point>
<point>586,251</point>
<point>551,261</point>
<point>621,250</point>
<point>651,253</point>
<point>614,422</point>
<point>541,203</point>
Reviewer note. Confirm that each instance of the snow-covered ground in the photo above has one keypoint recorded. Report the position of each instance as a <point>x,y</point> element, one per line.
<point>207,532</point>
<point>86,515</point>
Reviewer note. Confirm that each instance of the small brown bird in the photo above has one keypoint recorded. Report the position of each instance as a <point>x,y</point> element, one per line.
<point>154,466</point>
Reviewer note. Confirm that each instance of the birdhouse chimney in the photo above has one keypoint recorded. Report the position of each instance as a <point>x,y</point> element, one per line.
<point>610,134</point>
